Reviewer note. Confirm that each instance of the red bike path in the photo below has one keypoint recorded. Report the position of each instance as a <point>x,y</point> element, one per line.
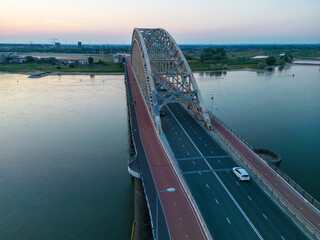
<point>179,213</point>
<point>301,205</point>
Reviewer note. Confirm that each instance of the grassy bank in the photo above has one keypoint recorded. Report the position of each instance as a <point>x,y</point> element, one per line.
<point>48,68</point>
<point>232,63</point>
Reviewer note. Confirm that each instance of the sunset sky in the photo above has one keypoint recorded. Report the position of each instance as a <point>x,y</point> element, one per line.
<point>202,21</point>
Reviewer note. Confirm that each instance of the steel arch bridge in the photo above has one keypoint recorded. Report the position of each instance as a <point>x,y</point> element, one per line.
<point>163,73</point>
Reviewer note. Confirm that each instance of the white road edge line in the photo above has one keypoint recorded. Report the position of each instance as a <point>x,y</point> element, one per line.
<point>225,188</point>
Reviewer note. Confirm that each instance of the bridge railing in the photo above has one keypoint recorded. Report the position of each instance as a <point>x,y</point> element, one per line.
<point>299,189</point>
<point>231,130</point>
<point>305,222</point>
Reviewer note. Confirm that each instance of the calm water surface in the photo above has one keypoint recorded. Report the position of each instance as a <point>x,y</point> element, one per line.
<point>64,145</point>
<point>276,111</point>
<point>63,152</point>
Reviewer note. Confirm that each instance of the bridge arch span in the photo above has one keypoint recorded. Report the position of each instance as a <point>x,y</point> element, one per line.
<point>163,73</point>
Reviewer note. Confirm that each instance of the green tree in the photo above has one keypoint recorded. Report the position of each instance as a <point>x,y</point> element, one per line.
<point>287,58</point>
<point>30,59</point>
<point>90,60</point>
<point>271,60</point>
<point>212,54</point>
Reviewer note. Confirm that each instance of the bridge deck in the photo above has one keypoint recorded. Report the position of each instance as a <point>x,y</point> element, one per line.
<point>180,216</point>
<point>231,209</point>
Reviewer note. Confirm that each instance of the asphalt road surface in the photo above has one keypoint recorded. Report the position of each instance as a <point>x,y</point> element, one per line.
<point>231,209</point>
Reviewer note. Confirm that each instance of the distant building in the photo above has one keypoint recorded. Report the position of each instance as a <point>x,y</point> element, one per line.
<point>80,45</point>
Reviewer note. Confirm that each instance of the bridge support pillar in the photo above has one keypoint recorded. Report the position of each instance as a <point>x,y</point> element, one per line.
<point>142,221</point>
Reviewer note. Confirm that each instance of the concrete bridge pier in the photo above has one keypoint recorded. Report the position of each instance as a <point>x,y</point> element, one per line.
<point>142,228</point>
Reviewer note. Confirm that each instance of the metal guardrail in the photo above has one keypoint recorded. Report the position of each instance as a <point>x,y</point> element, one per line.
<point>231,130</point>
<point>280,198</point>
<point>299,189</point>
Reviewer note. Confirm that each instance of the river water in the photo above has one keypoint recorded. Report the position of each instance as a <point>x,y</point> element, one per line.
<point>64,144</point>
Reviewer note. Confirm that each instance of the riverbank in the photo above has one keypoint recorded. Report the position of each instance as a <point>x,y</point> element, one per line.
<point>47,70</point>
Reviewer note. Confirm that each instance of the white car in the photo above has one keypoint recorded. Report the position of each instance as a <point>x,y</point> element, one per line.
<point>241,174</point>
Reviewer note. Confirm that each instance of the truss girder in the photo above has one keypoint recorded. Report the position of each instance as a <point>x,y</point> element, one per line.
<point>163,73</point>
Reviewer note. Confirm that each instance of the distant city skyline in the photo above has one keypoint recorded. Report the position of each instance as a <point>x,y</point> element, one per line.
<point>190,22</point>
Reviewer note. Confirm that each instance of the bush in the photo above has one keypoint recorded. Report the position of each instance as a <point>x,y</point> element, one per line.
<point>217,67</point>
<point>282,62</point>
<point>58,67</point>
<point>261,65</point>
<point>71,65</point>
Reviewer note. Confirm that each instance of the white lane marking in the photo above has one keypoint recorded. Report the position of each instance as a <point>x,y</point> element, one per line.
<point>179,139</point>
<point>228,220</point>
<point>207,185</point>
<point>282,238</point>
<point>211,152</point>
<point>205,144</point>
<point>200,138</point>
<point>250,198</point>
<point>193,162</point>
<point>199,173</point>
<point>225,188</point>
<point>265,216</point>
<point>219,161</point>
<point>195,132</point>
<point>183,146</point>
<point>176,133</point>
<point>237,183</point>
<point>217,201</point>
<point>188,154</point>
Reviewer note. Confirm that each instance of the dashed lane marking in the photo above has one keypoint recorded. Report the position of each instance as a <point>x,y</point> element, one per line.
<point>207,186</point>
<point>193,162</point>
<point>228,220</point>
<point>237,183</point>
<point>216,201</point>
<point>250,198</point>
<point>265,216</point>
<point>216,175</point>
<point>282,238</point>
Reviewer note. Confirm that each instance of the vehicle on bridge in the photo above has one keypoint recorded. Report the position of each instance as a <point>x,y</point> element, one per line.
<point>241,174</point>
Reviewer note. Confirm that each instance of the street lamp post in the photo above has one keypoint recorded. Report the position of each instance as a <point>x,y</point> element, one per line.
<point>157,208</point>
<point>211,101</point>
